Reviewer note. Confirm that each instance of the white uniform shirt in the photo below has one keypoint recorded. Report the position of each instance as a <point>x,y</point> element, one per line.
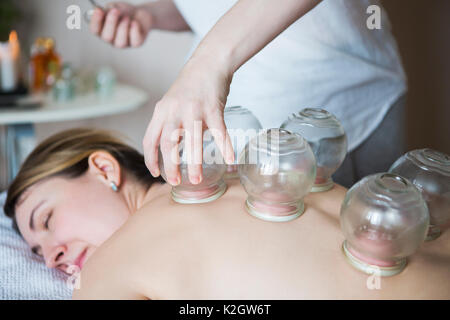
<point>328,58</point>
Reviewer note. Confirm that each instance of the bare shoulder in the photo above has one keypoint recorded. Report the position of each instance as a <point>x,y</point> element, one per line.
<point>136,258</point>
<point>108,274</point>
<point>114,271</point>
<point>101,279</point>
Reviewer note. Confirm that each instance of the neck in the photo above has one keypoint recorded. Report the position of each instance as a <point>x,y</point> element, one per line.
<point>147,195</point>
<point>137,195</point>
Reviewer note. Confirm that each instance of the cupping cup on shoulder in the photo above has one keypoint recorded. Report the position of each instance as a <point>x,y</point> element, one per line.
<point>212,185</point>
<point>242,125</point>
<point>384,220</point>
<point>327,139</point>
<point>429,171</point>
<point>278,170</point>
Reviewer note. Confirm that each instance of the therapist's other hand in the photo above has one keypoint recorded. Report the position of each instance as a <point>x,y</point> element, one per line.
<point>194,102</point>
<point>122,25</point>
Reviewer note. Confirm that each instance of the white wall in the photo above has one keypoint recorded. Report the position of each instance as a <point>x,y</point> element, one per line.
<point>152,67</point>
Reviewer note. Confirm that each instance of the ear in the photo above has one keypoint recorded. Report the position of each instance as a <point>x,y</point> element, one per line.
<point>105,167</point>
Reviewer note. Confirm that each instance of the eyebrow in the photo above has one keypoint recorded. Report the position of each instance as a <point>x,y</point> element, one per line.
<point>31,224</point>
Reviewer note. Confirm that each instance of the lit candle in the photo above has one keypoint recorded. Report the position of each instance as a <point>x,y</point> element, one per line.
<point>9,63</point>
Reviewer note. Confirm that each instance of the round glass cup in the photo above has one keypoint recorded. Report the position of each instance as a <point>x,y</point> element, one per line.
<point>212,185</point>
<point>429,171</point>
<point>327,139</point>
<point>384,220</point>
<point>242,126</point>
<point>277,170</point>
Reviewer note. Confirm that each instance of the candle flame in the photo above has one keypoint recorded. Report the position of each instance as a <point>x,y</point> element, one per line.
<point>13,36</point>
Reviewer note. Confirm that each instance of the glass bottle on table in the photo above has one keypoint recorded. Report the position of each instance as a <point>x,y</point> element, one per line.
<point>37,68</point>
<point>53,63</point>
<point>45,65</point>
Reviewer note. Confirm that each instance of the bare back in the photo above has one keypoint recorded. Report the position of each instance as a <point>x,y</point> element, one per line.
<point>218,251</point>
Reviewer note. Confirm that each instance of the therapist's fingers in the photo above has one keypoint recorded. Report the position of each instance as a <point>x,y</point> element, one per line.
<point>151,142</point>
<point>145,20</point>
<point>96,24</point>
<point>216,125</point>
<point>136,34</point>
<point>169,148</point>
<point>110,25</point>
<point>194,148</point>
<point>151,146</point>
<point>121,39</point>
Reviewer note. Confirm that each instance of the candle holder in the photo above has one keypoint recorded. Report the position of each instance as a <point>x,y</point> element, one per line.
<point>17,98</point>
<point>9,64</point>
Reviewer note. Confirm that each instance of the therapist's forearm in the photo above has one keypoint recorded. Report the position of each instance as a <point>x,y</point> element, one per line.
<point>247,28</point>
<point>166,16</point>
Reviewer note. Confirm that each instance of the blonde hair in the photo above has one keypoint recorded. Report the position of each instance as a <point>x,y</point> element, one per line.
<point>66,154</point>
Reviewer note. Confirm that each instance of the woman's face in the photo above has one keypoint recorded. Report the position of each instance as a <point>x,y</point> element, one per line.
<point>65,220</point>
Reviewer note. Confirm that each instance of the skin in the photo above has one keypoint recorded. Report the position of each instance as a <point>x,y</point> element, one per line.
<point>142,245</point>
<point>218,251</point>
<point>73,225</point>
<point>197,98</point>
<point>124,25</point>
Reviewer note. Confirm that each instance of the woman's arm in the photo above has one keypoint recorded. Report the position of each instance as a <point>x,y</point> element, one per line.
<point>199,94</point>
<point>248,27</point>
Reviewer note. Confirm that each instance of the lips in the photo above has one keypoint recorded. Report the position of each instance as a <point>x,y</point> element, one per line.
<point>81,259</point>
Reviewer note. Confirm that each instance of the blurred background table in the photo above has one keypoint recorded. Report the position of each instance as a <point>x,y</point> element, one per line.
<point>17,136</point>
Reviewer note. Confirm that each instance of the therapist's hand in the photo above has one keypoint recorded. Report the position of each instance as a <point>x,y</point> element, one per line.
<point>194,102</point>
<point>122,25</point>
<point>200,91</point>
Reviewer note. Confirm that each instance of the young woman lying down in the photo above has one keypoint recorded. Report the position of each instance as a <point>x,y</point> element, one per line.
<point>135,242</point>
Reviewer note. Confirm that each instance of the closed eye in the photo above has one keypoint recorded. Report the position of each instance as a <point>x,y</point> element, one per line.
<point>47,220</point>
<point>36,250</point>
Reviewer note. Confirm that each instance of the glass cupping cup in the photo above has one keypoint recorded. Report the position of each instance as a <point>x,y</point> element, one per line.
<point>327,139</point>
<point>277,171</point>
<point>242,125</point>
<point>384,220</point>
<point>429,171</point>
<point>212,185</point>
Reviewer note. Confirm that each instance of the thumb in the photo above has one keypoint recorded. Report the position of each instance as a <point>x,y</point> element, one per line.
<point>136,35</point>
<point>145,20</point>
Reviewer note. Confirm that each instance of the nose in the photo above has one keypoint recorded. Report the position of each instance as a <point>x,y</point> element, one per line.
<point>54,256</point>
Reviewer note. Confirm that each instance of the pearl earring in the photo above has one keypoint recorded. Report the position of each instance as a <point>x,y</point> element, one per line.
<point>114,186</point>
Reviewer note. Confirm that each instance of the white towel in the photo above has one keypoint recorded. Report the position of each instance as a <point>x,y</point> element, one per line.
<point>23,275</point>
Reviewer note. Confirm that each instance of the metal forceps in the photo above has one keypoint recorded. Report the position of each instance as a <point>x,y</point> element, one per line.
<point>88,14</point>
